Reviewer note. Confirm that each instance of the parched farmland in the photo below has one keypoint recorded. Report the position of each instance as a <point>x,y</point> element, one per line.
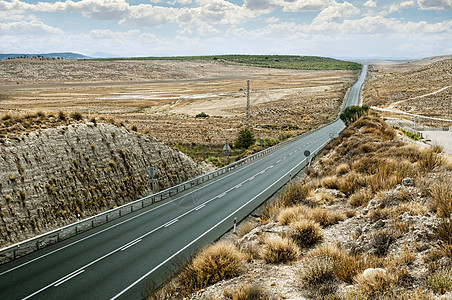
<point>163,97</point>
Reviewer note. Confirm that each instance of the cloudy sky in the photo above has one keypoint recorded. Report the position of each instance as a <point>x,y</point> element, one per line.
<point>354,28</point>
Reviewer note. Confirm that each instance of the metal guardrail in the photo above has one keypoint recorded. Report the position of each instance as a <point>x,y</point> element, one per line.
<point>25,247</point>
<point>28,246</point>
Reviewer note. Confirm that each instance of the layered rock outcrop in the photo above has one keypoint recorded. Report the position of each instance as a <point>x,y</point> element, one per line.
<point>49,177</point>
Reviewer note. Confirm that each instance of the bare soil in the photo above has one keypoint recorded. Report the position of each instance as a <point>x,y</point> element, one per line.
<point>420,88</point>
<point>163,98</point>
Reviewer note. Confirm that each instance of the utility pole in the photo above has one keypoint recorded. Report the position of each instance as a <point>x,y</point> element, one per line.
<point>248,125</point>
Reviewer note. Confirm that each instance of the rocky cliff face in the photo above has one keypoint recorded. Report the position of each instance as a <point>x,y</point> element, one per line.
<point>50,176</point>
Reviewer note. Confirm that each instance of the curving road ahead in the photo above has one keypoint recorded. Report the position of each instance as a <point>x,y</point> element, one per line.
<point>118,259</point>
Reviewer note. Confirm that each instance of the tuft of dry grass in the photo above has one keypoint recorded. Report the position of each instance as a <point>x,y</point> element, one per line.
<point>247,291</point>
<point>440,282</point>
<point>295,193</point>
<point>330,182</point>
<point>375,284</point>
<point>360,198</point>
<point>342,169</point>
<point>323,216</point>
<point>214,263</point>
<point>381,240</point>
<point>441,192</point>
<point>345,266</point>
<point>430,158</point>
<point>317,214</point>
<point>316,270</point>
<point>244,228</point>
<point>305,232</point>
<point>280,250</point>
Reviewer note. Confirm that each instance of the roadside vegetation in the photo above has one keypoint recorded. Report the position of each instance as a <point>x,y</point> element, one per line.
<point>265,61</point>
<point>371,220</point>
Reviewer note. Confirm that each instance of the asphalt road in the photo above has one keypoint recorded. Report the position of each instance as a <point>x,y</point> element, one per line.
<point>118,259</point>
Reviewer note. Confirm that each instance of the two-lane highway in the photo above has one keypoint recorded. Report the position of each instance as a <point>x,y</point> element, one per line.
<point>118,259</point>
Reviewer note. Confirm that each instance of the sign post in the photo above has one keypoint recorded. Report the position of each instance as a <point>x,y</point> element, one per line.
<point>152,181</point>
<point>227,150</point>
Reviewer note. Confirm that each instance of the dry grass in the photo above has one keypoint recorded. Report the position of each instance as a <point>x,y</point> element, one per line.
<point>323,216</point>
<point>440,282</point>
<point>441,193</point>
<point>212,264</point>
<point>305,232</point>
<point>379,283</point>
<point>345,266</point>
<point>247,291</point>
<point>330,182</point>
<point>245,227</point>
<point>289,214</point>
<point>360,198</point>
<point>280,250</point>
<point>342,169</point>
<point>316,270</point>
<point>295,193</point>
<point>317,214</point>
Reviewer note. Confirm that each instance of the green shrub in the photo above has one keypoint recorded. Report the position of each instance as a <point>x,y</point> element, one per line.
<point>202,115</point>
<point>245,139</point>
<point>353,113</point>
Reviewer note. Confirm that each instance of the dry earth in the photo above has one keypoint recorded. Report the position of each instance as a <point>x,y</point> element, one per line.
<point>163,97</point>
<point>384,211</point>
<point>420,88</point>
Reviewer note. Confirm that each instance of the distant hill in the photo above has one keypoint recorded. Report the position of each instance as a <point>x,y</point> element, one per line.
<point>265,61</point>
<point>62,55</point>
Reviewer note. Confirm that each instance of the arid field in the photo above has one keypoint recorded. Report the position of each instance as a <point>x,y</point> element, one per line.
<point>164,97</point>
<point>419,88</point>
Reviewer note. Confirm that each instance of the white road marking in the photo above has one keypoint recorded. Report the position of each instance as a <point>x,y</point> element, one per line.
<point>170,223</point>
<point>206,232</point>
<point>120,223</point>
<point>200,206</point>
<point>68,277</point>
<point>81,270</point>
<point>130,244</point>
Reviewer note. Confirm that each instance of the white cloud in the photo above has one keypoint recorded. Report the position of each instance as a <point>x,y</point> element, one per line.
<point>28,28</point>
<point>260,5</point>
<point>303,5</point>
<point>435,4</point>
<point>336,11</point>
<point>206,29</point>
<point>370,3</point>
<point>407,4</point>
<point>272,20</point>
<point>148,15</point>
<point>97,9</point>
<point>183,2</point>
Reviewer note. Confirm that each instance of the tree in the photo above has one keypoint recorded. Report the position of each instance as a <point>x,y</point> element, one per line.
<point>353,113</point>
<point>245,139</point>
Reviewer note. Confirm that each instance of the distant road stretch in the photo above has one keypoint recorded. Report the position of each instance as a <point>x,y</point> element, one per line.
<point>119,259</point>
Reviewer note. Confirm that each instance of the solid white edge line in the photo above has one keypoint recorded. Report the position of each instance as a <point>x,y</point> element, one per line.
<point>206,232</point>
<point>120,223</point>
